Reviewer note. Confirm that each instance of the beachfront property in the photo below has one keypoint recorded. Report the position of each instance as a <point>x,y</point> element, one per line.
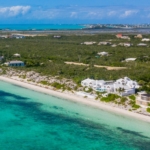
<point>143,99</point>
<point>15,63</point>
<point>123,87</point>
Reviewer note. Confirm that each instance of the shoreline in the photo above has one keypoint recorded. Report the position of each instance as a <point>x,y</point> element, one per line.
<point>73,97</point>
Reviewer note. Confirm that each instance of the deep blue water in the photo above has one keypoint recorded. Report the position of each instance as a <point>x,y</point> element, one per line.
<point>40,26</point>
<point>35,121</point>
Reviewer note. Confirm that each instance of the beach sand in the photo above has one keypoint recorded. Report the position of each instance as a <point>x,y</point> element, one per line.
<point>73,97</point>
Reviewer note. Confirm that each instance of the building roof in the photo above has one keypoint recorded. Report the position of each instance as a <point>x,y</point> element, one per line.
<point>130,59</point>
<point>102,53</point>
<point>146,95</point>
<point>15,62</point>
<point>16,54</point>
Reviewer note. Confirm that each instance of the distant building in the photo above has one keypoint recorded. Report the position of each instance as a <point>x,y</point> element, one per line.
<point>104,43</point>
<point>103,53</point>
<point>3,36</point>
<point>122,37</point>
<point>125,44</point>
<point>16,55</point>
<point>119,35</point>
<point>138,36</point>
<point>145,40</point>
<point>89,43</point>
<point>130,59</point>
<point>57,36</point>
<point>1,58</point>
<point>18,36</point>
<point>15,63</point>
<point>114,45</point>
<point>141,44</point>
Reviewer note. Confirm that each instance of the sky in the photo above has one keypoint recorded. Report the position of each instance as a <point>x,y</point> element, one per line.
<point>74,11</point>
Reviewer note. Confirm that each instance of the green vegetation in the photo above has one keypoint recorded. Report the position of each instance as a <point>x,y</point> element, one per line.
<point>44,82</point>
<point>132,97</point>
<point>110,98</point>
<point>148,109</point>
<point>46,55</point>
<point>133,104</point>
<point>58,85</point>
<point>123,100</point>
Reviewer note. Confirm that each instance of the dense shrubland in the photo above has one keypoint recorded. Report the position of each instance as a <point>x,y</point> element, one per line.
<point>47,55</point>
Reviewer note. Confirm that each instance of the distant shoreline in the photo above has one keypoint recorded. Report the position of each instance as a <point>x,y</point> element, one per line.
<point>80,31</point>
<point>78,99</point>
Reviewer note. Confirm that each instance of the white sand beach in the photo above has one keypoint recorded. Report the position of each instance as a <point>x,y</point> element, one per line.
<point>73,97</point>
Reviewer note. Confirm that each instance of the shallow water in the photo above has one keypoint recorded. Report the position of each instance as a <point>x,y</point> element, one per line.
<point>26,123</point>
<point>41,27</point>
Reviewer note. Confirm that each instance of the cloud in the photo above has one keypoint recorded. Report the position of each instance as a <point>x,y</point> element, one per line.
<point>73,12</point>
<point>14,10</point>
<point>128,13</point>
<point>111,13</point>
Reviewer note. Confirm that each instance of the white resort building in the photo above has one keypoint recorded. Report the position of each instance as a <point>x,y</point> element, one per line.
<point>123,87</point>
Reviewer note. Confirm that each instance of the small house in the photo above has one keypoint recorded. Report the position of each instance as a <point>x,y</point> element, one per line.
<point>89,43</point>
<point>103,53</point>
<point>130,59</point>
<point>104,43</point>
<point>1,58</point>
<point>141,44</point>
<point>138,36</point>
<point>119,35</point>
<point>16,55</point>
<point>15,63</point>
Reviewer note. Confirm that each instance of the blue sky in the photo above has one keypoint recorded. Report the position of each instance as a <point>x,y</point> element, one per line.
<point>75,11</point>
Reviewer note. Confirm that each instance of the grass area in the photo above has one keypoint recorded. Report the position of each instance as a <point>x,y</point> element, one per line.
<point>110,98</point>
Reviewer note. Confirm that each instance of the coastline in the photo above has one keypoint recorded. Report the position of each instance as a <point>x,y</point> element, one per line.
<point>75,98</point>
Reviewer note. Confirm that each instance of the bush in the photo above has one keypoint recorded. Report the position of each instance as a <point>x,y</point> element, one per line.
<point>148,109</point>
<point>44,82</point>
<point>132,97</point>
<point>135,106</point>
<point>123,100</point>
<point>110,98</point>
<point>57,85</point>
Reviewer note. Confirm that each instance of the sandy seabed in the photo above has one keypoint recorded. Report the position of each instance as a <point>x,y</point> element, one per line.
<point>73,97</point>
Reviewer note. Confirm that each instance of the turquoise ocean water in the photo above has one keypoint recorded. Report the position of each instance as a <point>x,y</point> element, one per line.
<point>41,26</point>
<point>34,121</point>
